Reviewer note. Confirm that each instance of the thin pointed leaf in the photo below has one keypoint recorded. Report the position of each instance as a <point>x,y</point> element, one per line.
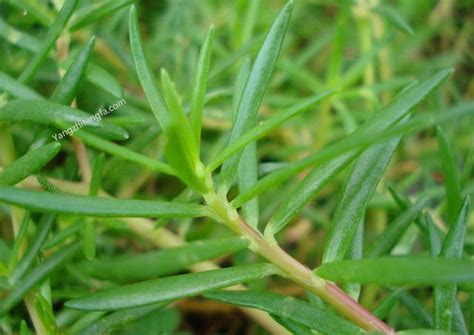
<point>293,309</point>
<point>30,163</point>
<point>255,89</point>
<point>293,327</point>
<point>191,173</point>
<point>306,190</point>
<point>181,148</point>
<point>360,186</point>
<point>171,288</point>
<point>66,90</point>
<point>265,127</point>
<point>51,114</point>
<point>199,85</point>
<point>163,262</point>
<point>248,167</point>
<point>356,251</point>
<point>19,238</point>
<point>399,271</point>
<point>123,152</point>
<point>386,305</point>
<point>404,203</point>
<point>424,332</point>
<point>394,17</point>
<point>37,9</point>
<point>97,172</point>
<point>45,313</point>
<point>94,206</point>
<point>434,234</point>
<point>89,232</point>
<point>147,80</point>
<point>103,79</point>
<point>24,328</point>
<point>451,177</point>
<point>37,275</point>
<point>48,42</point>
<point>452,248</point>
<point>117,320</point>
<point>247,176</point>
<point>416,309</point>
<point>287,170</point>
<point>389,238</point>
<point>17,37</point>
<point>376,128</point>
<point>17,89</point>
<point>42,232</point>
<point>94,12</point>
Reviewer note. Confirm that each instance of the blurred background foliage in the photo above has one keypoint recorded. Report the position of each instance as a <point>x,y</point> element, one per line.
<point>369,49</point>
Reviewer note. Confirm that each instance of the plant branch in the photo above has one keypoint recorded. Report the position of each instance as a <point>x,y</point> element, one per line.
<point>294,270</point>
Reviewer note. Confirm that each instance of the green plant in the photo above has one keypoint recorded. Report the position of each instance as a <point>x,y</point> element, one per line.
<point>219,208</point>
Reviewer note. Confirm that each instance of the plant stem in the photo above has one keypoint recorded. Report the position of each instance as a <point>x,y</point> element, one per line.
<point>294,270</point>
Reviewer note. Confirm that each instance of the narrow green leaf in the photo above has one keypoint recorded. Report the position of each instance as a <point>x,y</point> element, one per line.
<point>42,232</point>
<point>239,85</point>
<point>181,148</point>
<point>199,85</point>
<point>94,206</point>
<point>265,127</point>
<point>94,12</point>
<point>48,42</point>
<point>404,203</point>
<point>30,163</point>
<point>247,172</point>
<point>171,288</point>
<point>416,309</point>
<point>45,313</point>
<point>306,190</point>
<point>424,332</point>
<point>117,320</point>
<point>97,172</point>
<point>190,173</point>
<point>282,171</point>
<point>290,308</point>
<point>389,238</point>
<point>451,177</point>
<point>356,251</point>
<point>37,275</point>
<point>123,152</point>
<point>453,244</point>
<point>37,9</point>
<point>61,236</point>
<point>247,176</point>
<point>376,128</point>
<point>255,89</point>
<point>89,232</point>
<point>359,188</point>
<point>356,70</point>
<point>19,238</point>
<point>147,80</point>
<point>17,37</point>
<point>394,17</point>
<point>163,262</point>
<point>24,328</point>
<point>387,304</point>
<point>399,271</point>
<point>434,234</point>
<point>452,248</point>
<point>17,89</point>
<point>293,327</point>
<point>51,114</point>
<point>68,86</point>
<point>103,79</point>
